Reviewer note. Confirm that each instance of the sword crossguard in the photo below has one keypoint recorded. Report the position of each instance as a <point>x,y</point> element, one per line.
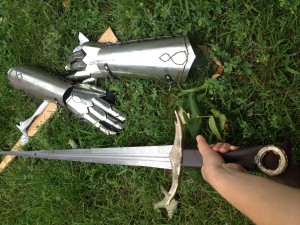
<point>169,203</point>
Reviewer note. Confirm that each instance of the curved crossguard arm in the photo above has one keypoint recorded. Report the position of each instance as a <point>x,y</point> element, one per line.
<point>169,203</point>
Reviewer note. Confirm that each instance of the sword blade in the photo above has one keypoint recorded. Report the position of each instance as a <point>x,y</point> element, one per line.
<point>148,156</point>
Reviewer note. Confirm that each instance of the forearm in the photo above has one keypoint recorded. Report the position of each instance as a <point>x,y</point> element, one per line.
<point>262,200</point>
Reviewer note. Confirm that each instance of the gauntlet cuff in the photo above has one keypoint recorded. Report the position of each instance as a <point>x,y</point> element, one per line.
<point>39,84</point>
<point>165,58</point>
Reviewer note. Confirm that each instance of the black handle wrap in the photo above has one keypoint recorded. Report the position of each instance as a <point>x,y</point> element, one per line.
<point>244,157</point>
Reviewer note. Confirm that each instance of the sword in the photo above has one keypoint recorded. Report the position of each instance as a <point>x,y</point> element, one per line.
<point>145,156</point>
<point>168,157</point>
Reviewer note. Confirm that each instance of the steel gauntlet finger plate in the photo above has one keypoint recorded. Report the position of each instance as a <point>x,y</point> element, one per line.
<point>83,100</point>
<point>87,103</point>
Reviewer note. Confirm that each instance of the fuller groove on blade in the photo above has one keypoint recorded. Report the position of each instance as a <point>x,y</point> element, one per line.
<point>148,156</point>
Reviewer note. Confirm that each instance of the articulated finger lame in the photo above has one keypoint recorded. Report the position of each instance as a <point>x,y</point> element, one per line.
<point>165,58</point>
<point>85,101</point>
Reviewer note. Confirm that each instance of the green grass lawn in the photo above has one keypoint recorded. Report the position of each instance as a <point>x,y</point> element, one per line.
<point>257,41</point>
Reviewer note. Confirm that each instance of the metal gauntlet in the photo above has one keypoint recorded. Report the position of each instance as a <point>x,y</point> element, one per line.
<point>86,101</point>
<point>166,58</point>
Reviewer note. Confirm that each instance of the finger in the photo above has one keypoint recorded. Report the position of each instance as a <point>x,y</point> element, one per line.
<point>204,148</point>
<point>94,90</point>
<point>78,66</point>
<point>225,147</point>
<point>108,108</point>
<point>76,56</point>
<point>79,76</point>
<point>94,120</point>
<point>233,147</point>
<point>105,118</point>
<point>202,145</point>
<point>217,146</point>
<point>209,156</point>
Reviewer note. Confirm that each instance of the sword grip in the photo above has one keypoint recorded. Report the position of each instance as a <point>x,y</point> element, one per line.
<point>245,157</point>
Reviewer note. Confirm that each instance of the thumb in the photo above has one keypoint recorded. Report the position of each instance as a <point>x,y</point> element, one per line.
<point>202,145</point>
<point>209,156</point>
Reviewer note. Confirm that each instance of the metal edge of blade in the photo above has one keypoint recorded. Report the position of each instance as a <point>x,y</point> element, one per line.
<point>147,156</point>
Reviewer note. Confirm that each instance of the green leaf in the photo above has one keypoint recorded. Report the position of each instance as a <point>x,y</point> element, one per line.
<point>194,126</point>
<point>186,116</point>
<point>215,112</point>
<point>184,104</point>
<point>194,105</point>
<point>213,126</point>
<point>222,121</point>
<point>221,117</point>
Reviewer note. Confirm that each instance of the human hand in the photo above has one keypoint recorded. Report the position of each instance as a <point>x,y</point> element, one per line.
<point>223,147</point>
<point>214,165</point>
